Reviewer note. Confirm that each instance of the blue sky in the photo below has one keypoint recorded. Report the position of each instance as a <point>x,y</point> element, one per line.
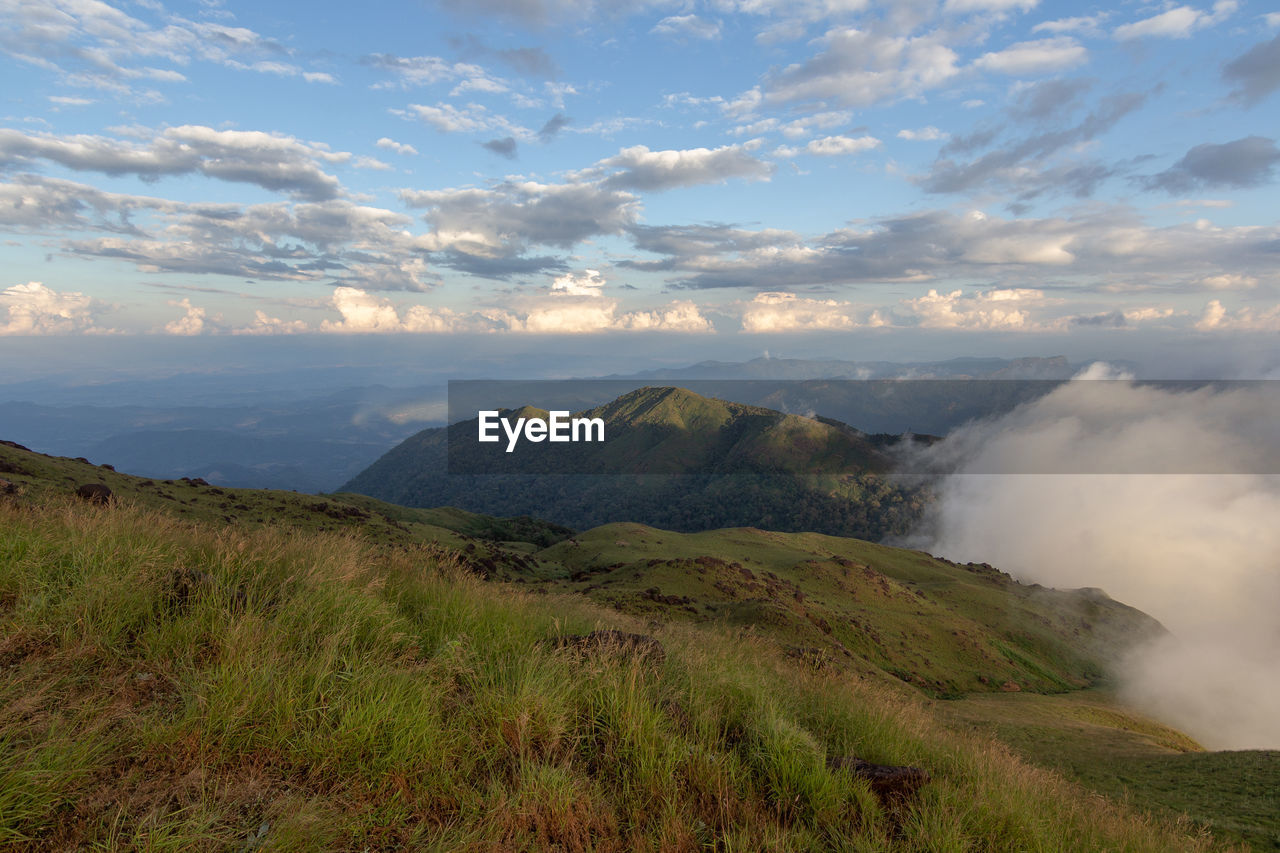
<point>570,167</point>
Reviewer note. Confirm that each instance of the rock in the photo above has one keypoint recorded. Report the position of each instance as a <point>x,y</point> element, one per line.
<point>1010,687</point>
<point>640,646</point>
<point>7,488</point>
<point>95,493</point>
<point>891,784</point>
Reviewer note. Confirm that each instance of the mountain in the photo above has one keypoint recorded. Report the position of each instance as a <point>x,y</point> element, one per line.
<point>671,458</point>
<point>193,666</point>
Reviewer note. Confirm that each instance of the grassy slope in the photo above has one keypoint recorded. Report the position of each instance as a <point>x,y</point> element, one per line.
<point>905,600</point>
<point>319,691</point>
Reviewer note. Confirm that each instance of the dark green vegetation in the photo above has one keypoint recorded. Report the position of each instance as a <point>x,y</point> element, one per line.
<point>341,674</point>
<point>672,459</point>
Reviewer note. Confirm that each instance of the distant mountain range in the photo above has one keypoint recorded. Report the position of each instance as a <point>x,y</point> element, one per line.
<point>295,438</point>
<point>672,459</point>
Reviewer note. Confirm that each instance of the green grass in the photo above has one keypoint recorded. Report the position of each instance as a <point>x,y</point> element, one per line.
<point>323,692</point>
<point>1087,737</point>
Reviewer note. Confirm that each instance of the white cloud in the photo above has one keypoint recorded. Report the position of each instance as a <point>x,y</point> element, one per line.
<point>472,118</point>
<point>585,283</point>
<point>1006,309</point>
<point>831,146</point>
<point>1035,57</point>
<point>989,5</point>
<point>857,68</point>
<point>687,26</point>
<point>924,134</point>
<point>786,312</point>
<point>642,169</point>
<point>1086,25</point>
<point>1217,318</point>
<point>34,309</point>
<point>1229,281</point>
<point>265,325</point>
<point>191,323</point>
<point>398,147</point>
<point>1178,22</point>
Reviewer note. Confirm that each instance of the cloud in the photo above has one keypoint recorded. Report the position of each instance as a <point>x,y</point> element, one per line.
<point>1034,57</point>
<point>553,126</point>
<point>687,27</point>
<point>505,220</point>
<point>989,310</point>
<point>989,5</point>
<point>531,61</point>
<point>1090,25</point>
<point>271,161</point>
<point>1194,550</point>
<point>34,309</point>
<point>1217,318</point>
<point>593,315</point>
<point>857,68</point>
<point>1242,164</point>
<point>924,134</point>
<point>265,325</point>
<point>642,169</point>
<point>1256,72</point>
<point>785,312</point>
<point>1098,246</point>
<point>472,118</point>
<point>832,146</point>
<point>585,283</point>
<point>504,147</point>
<point>415,71</point>
<point>399,148</point>
<point>1178,22</point>
<point>93,44</point>
<point>1038,163</point>
<point>190,323</point>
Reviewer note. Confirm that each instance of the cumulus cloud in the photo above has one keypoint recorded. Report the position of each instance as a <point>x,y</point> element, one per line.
<point>639,168</point>
<point>987,310</point>
<point>1244,163</point>
<point>553,126</point>
<point>470,118</point>
<point>858,68</point>
<point>94,44</point>
<point>505,220</point>
<point>1256,72</point>
<point>1101,244</point>
<point>831,146</point>
<point>1178,22</point>
<point>1195,550</point>
<point>1034,57</point>
<point>398,147</point>
<point>1216,318</point>
<point>787,312</point>
<point>562,313</point>
<point>192,322</point>
<point>585,283</point>
<point>34,309</point>
<point>928,133</point>
<point>687,27</point>
<point>271,161</point>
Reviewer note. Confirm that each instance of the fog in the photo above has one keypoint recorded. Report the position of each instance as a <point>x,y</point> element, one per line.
<point>1188,531</point>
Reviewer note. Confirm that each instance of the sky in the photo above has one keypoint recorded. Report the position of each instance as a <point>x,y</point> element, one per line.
<point>717,171</point>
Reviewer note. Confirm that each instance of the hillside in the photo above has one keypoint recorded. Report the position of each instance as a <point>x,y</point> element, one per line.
<point>860,635</point>
<point>175,685</point>
<point>672,459</point>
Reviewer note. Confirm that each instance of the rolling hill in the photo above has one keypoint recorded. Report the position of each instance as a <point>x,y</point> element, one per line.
<point>281,671</point>
<point>671,458</point>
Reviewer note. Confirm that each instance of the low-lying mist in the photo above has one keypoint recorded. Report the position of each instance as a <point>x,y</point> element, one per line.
<point>1189,532</point>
